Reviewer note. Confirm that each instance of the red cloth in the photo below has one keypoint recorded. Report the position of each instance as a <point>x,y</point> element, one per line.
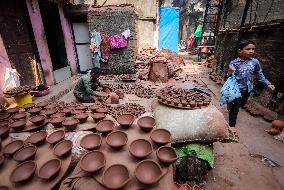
<point>105,45</point>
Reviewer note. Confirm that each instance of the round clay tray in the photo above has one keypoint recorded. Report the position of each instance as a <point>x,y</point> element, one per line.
<point>146,123</point>
<point>26,153</point>
<point>116,139</point>
<point>70,124</point>
<point>57,115</point>
<point>4,131</point>
<point>126,120</point>
<point>34,111</point>
<point>29,106</point>
<point>57,121</point>
<point>23,172</point>
<point>140,148</point>
<point>92,161</point>
<point>167,155</point>
<point>42,104</point>
<point>161,136</point>
<point>18,125</point>
<point>12,110</point>
<point>50,169</point>
<point>13,147</point>
<point>37,138</point>
<point>82,117</point>
<point>4,116</point>
<point>37,120</point>
<point>50,112</point>
<point>63,148</point>
<point>116,176</point>
<point>2,159</point>
<point>91,141</point>
<point>98,116</point>
<point>55,137</point>
<point>148,172</point>
<point>18,116</point>
<point>105,126</point>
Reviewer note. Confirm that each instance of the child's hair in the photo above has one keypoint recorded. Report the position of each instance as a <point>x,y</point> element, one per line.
<point>244,43</point>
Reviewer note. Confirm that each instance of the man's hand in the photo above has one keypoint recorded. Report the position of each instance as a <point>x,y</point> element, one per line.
<point>271,87</point>
<point>101,94</point>
<point>231,69</point>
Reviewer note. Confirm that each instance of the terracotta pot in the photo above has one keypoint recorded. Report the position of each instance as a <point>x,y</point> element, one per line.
<point>42,104</point>
<point>4,131</point>
<point>70,124</point>
<point>26,153</point>
<point>274,131</point>
<point>116,139</point>
<point>37,138</point>
<point>18,116</point>
<point>51,106</point>
<point>12,110</point>
<point>18,125</point>
<point>98,116</point>
<point>67,112</point>
<point>4,116</point>
<point>63,148</point>
<point>34,111</point>
<point>146,123</point>
<point>105,126</point>
<point>57,115</point>
<point>91,141</point>
<point>126,120</point>
<point>92,161</point>
<point>140,148</point>
<point>167,155</point>
<point>192,104</point>
<point>55,137</point>
<point>102,110</point>
<point>38,120</point>
<point>50,169</point>
<point>50,112</point>
<point>2,159</point>
<point>12,147</point>
<point>76,112</point>
<point>116,176</point>
<point>82,117</point>
<point>81,107</point>
<point>23,172</point>
<point>161,136</point>
<point>148,172</point>
<point>57,121</point>
<point>93,108</point>
<point>278,124</point>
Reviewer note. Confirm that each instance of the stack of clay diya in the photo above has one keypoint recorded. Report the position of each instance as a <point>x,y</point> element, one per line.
<point>216,78</point>
<point>135,166</point>
<point>18,90</point>
<point>255,110</point>
<point>132,108</point>
<point>183,98</point>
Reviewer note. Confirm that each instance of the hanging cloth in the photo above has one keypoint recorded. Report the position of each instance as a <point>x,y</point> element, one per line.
<point>198,31</point>
<point>95,47</point>
<point>105,47</point>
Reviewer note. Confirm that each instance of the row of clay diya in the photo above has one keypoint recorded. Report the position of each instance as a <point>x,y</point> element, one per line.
<point>132,108</point>
<point>25,154</point>
<point>258,111</point>
<point>185,186</point>
<point>18,90</point>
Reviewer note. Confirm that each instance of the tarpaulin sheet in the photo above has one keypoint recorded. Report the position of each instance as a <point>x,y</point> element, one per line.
<point>168,28</point>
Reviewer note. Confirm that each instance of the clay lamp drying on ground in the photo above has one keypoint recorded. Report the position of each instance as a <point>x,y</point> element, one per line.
<point>82,117</point>
<point>50,112</point>
<point>146,123</point>
<point>76,112</point>
<point>2,159</point>
<point>148,172</point>
<point>26,153</point>
<point>50,169</point>
<point>10,149</point>
<point>161,136</point>
<point>34,111</point>
<point>116,176</point>
<point>23,172</point>
<point>70,124</point>
<point>67,112</point>
<point>12,110</point>
<point>55,137</point>
<point>42,104</point>
<point>38,120</point>
<point>4,116</point>
<point>102,110</point>
<point>167,155</point>
<point>91,141</point>
<point>105,126</point>
<point>37,138</point>
<point>126,120</point>
<point>98,116</point>
<point>29,106</point>
<point>57,115</point>
<point>92,161</point>
<point>63,148</point>
<point>18,125</point>
<point>19,116</point>
<point>57,121</point>
<point>4,131</point>
<point>93,108</point>
<point>140,148</point>
<point>116,139</point>
<point>51,106</point>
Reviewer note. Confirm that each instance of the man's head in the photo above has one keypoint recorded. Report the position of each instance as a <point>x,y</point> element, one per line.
<point>95,72</point>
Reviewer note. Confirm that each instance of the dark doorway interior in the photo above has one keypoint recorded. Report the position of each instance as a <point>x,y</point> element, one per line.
<point>54,35</point>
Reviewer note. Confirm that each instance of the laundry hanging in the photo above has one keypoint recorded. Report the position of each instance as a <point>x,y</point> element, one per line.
<point>95,47</point>
<point>119,40</point>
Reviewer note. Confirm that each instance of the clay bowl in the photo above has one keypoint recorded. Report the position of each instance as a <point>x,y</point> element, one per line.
<point>91,141</point>
<point>148,172</point>
<point>29,106</point>
<point>4,131</point>
<point>76,112</point>
<point>2,159</point>
<point>146,123</point>
<point>50,169</point>
<point>18,116</point>
<point>67,112</point>
<point>116,176</point>
<point>161,136</point>
<point>105,126</point>
<point>93,108</point>
<point>57,115</point>
<point>38,120</point>
<point>13,147</point>
<point>37,138</point>
<point>26,153</point>
<point>18,125</point>
<point>34,111</point>
<point>140,148</point>
<point>50,112</point>
<point>23,172</point>
<point>167,155</point>
<point>116,139</point>
<point>126,120</point>
<point>98,116</point>
<point>81,107</point>
<point>82,117</point>
<point>4,116</point>
<point>57,121</point>
<point>51,106</point>
<point>92,161</point>
<point>102,110</point>
<point>55,137</point>
<point>12,110</point>
<point>42,104</point>
<point>70,124</point>
<point>63,148</point>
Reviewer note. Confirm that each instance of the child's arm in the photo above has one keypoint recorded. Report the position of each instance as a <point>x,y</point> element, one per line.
<point>260,76</point>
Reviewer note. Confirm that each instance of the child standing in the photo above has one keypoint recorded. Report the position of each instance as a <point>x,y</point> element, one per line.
<point>244,68</point>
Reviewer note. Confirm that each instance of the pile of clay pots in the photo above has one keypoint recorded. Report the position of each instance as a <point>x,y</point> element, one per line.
<point>132,108</point>
<point>255,110</point>
<point>277,127</point>
<point>216,78</point>
<point>146,53</point>
<point>18,90</point>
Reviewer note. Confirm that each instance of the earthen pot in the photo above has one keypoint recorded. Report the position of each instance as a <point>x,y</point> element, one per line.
<point>4,131</point>
<point>50,169</point>
<point>12,147</point>
<point>116,139</point>
<point>18,125</point>
<point>12,110</point>
<point>105,126</point>
<point>63,148</point>
<point>26,153</point>
<point>2,159</point>
<point>102,110</point>
<point>29,106</point>
<point>38,120</point>
<point>192,104</point>
<point>70,124</point>
<point>126,120</point>
<point>167,155</point>
<point>57,121</point>
<point>67,112</point>
<point>37,138</point>
<point>146,123</point>
<point>42,104</point>
<point>140,148</point>
<point>148,172</point>
<point>278,124</point>
<point>92,161</point>
<point>93,108</point>
<point>161,136</point>
<point>273,131</point>
<point>116,176</point>
<point>91,141</point>
<point>76,112</point>
<point>3,187</point>
<point>51,106</point>
<point>50,112</point>
<point>34,111</point>
<point>55,137</point>
<point>81,107</point>
<point>4,116</point>
<point>98,116</point>
<point>57,115</point>
<point>82,117</point>
<point>23,172</point>
<point>18,116</point>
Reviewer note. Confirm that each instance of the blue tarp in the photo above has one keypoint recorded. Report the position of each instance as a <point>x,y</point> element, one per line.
<point>168,28</point>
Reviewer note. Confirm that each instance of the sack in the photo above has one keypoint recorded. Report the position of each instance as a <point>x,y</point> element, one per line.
<point>230,91</point>
<point>12,79</point>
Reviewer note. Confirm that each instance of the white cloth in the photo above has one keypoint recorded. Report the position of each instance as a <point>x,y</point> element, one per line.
<point>12,79</point>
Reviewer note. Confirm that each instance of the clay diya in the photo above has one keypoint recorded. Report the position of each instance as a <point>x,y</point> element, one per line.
<point>42,104</point>
<point>37,138</point>
<point>116,176</point>
<point>102,110</point>
<point>98,116</point>
<point>105,126</point>
<point>4,131</point>
<point>55,137</point>
<point>2,159</point>
<point>70,124</point>
<point>278,124</point>
<point>148,172</point>
<point>167,155</point>
<point>50,112</point>
<point>161,136</point>
<point>116,139</point>
<point>92,161</point>
<point>51,106</point>
<point>13,147</point>
<point>12,110</point>
<point>29,106</point>
<point>76,112</point>
<point>93,108</point>
<point>67,112</point>
<point>146,123</point>
<point>82,117</point>
<point>4,116</point>
<point>91,141</point>
<point>18,125</point>
<point>126,120</point>
<point>38,120</point>
<point>140,148</point>
<point>26,153</point>
<point>57,115</point>
<point>81,107</point>
<point>23,172</point>
<point>63,148</point>
<point>18,116</point>
<point>50,169</point>
<point>34,111</point>
<point>57,121</point>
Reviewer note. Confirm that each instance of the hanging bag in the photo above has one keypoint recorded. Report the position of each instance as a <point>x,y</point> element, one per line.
<point>230,91</point>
